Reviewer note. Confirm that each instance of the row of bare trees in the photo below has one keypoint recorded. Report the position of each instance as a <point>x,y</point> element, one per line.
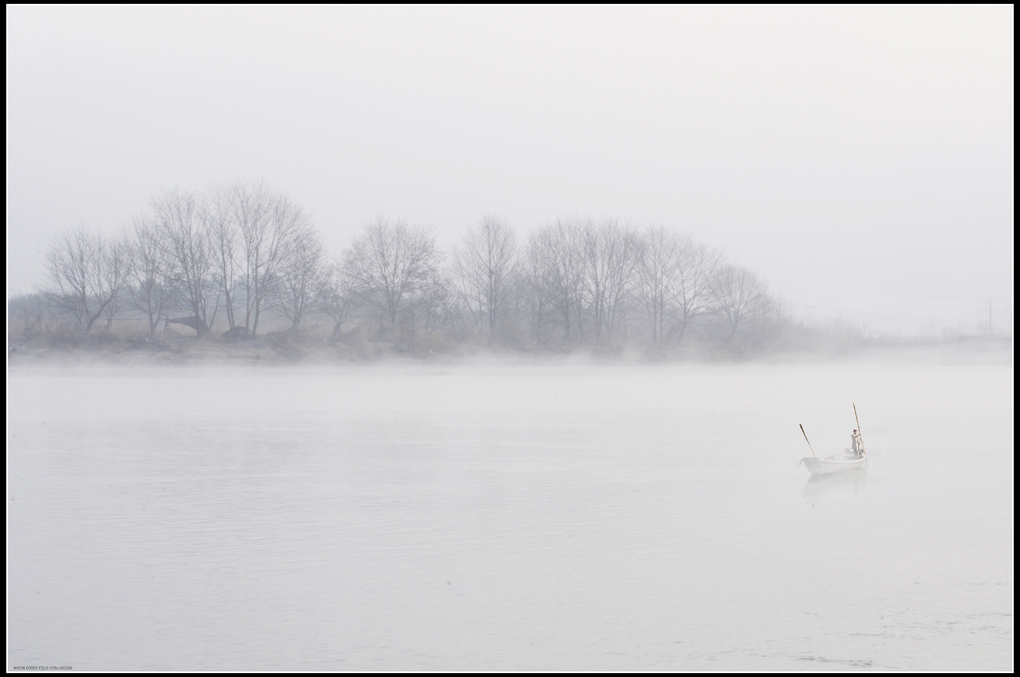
<point>88,275</point>
<point>578,282</point>
<point>244,252</point>
<point>240,249</point>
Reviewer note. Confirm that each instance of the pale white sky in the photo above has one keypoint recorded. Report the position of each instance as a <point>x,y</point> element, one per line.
<point>859,158</point>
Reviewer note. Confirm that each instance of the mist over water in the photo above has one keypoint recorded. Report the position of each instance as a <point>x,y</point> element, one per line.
<point>510,515</point>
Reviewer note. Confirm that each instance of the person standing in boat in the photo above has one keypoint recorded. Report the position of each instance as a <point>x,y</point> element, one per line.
<point>858,445</point>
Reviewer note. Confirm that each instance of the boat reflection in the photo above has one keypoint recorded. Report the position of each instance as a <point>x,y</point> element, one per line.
<point>850,482</point>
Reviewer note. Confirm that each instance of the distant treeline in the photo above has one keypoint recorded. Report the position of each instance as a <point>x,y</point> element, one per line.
<point>242,259</point>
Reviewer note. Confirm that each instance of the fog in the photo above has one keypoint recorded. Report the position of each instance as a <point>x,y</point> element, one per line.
<point>507,515</point>
<point>637,250</point>
<point>859,159</point>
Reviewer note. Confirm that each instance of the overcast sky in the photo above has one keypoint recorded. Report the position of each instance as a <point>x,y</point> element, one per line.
<point>859,158</point>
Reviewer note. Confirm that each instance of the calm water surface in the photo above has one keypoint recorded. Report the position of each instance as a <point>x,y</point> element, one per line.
<point>510,516</point>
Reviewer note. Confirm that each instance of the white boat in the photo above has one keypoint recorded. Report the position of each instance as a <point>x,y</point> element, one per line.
<point>848,460</point>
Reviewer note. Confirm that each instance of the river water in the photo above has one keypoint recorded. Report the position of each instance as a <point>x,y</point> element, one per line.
<point>510,516</point>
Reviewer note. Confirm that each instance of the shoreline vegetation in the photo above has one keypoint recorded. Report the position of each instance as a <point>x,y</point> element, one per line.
<point>307,347</point>
<point>239,273</point>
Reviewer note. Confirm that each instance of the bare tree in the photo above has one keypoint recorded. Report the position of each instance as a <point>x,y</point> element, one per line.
<point>556,271</point>
<point>87,275</point>
<point>693,294</point>
<point>251,203</point>
<point>432,307</point>
<point>609,255</point>
<point>658,264</point>
<point>271,226</point>
<point>336,293</point>
<point>221,225</point>
<point>483,268</point>
<point>511,328</point>
<point>119,265</point>
<point>673,282</point>
<point>393,265</point>
<point>741,297</point>
<point>538,279</point>
<point>149,291</point>
<point>178,218</point>
<point>300,275</point>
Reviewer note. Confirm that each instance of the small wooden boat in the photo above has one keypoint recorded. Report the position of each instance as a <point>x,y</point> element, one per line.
<point>848,460</point>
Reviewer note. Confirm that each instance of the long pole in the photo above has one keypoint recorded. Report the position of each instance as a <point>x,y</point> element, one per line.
<point>859,428</point>
<point>807,440</point>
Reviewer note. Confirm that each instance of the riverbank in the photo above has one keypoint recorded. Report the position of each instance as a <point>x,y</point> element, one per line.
<point>286,349</point>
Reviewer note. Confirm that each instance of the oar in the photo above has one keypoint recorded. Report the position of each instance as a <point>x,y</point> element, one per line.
<point>807,440</point>
<point>859,430</point>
